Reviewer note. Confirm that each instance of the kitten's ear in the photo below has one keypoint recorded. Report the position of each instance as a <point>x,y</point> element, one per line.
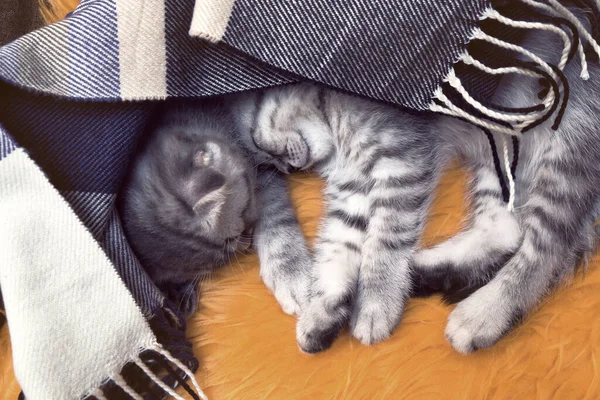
<point>210,196</point>
<point>212,203</point>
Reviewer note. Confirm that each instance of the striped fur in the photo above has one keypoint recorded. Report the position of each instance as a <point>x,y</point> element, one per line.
<point>558,198</point>
<point>380,171</point>
<point>381,166</point>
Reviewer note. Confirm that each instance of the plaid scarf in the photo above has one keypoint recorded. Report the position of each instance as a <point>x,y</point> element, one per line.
<point>84,318</point>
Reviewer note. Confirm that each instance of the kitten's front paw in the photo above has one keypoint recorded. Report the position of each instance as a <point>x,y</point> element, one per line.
<point>289,147</point>
<point>290,289</point>
<point>482,319</point>
<point>184,296</point>
<point>292,296</point>
<point>320,324</point>
<point>375,319</point>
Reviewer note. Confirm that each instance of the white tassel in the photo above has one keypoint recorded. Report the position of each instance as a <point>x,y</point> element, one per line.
<point>468,59</point>
<point>119,381</point>
<point>548,99</point>
<point>520,120</point>
<point>455,111</point>
<point>181,366</point>
<point>156,379</point>
<point>99,394</point>
<point>565,13</point>
<point>479,34</point>
<point>453,80</point>
<point>490,13</point>
<point>580,28</point>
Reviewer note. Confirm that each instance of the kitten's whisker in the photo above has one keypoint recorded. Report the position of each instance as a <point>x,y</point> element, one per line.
<point>260,163</point>
<point>238,262</point>
<point>271,177</point>
<point>190,291</point>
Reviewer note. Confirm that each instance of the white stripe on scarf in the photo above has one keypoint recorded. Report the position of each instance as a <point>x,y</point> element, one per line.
<point>72,321</point>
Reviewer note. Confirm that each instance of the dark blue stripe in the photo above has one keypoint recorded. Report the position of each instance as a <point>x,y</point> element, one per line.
<point>81,146</point>
<point>7,144</point>
<point>197,68</point>
<point>93,51</point>
<point>393,50</point>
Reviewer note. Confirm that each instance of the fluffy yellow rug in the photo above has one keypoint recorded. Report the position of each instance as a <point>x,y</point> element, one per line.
<point>247,349</point>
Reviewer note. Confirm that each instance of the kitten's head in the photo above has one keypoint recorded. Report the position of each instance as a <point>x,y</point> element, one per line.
<point>274,124</point>
<point>190,202</point>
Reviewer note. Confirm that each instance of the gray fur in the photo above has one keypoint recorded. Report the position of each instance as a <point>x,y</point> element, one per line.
<point>284,258</point>
<point>558,193</point>
<point>180,214</point>
<point>381,166</point>
<point>197,191</point>
<point>380,174</point>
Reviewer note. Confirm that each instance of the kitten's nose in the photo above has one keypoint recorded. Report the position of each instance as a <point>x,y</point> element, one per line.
<point>282,167</point>
<point>248,232</point>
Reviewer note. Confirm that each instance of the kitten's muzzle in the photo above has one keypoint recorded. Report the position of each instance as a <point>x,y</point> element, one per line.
<point>247,238</point>
<point>282,167</point>
<point>242,242</point>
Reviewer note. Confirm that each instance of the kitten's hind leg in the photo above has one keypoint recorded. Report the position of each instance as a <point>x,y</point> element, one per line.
<point>465,262</point>
<point>285,261</point>
<point>556,223</point>
<point>337,259</point>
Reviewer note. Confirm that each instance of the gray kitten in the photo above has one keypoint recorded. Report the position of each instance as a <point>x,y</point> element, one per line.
<point>381,167</point>
<point>193,198</point>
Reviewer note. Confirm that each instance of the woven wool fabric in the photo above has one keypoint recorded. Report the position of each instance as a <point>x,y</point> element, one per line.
<point>421,55</point>
<point>76,97</point>
<point>18,18</point>
<point>398,51</point>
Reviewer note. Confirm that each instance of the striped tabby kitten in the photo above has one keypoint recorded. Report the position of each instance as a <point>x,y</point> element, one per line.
<point>381,167</point>
<point>557,204</point>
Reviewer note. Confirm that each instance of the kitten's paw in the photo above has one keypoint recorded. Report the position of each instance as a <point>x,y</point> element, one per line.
<point>184,296</point>
<point>288,147</point>
<point>482,319</point>
<point>320,324</point>
<point>290,290</point>
<point>292,297</point>
<point>374,320</point>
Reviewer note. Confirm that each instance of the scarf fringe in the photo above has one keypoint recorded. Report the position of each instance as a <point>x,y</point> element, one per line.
<point>158,370</point>
<point>514,122</point>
